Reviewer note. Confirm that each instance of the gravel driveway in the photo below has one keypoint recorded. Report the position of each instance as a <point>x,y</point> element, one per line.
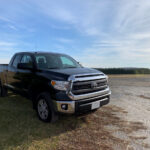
<point>132,94</point>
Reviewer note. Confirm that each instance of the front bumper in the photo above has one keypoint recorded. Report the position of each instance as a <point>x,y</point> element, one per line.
<point>83,105</point>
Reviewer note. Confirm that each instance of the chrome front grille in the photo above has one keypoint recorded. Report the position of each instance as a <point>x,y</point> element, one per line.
<point>84,87</point>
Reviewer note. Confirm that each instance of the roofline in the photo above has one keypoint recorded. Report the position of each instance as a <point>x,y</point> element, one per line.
<point>39,52</point>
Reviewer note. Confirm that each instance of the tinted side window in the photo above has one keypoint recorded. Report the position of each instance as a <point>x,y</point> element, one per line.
<point>16,61</point>
<point>41,62</point>
<point>27,59</point>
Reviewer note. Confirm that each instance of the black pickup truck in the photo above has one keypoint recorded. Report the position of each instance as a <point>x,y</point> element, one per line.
<point>55,83</point>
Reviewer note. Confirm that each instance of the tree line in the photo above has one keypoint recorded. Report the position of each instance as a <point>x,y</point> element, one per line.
<point>124,70</point>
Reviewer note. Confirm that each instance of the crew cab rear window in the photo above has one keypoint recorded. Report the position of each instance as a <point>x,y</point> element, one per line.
<point>27,59</point>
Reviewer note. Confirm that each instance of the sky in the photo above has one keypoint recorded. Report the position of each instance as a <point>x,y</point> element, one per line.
<point>97,33</point>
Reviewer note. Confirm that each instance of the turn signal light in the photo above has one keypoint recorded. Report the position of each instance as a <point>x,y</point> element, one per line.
<point>53,83</point>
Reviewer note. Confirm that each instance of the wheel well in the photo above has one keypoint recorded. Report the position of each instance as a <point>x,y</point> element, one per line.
<point>34,92</point>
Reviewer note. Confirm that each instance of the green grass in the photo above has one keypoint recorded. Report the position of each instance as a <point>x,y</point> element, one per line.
<point>21,129</point>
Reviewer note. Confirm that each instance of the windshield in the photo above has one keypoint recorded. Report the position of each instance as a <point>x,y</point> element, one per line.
<point>55,61</point>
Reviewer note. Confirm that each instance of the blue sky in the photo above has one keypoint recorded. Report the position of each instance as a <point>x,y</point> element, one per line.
<point>98,33</point>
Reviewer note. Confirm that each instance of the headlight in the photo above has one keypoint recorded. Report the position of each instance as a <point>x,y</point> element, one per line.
<point>60,85</point>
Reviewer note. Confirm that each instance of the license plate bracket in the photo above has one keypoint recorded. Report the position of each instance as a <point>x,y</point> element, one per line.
<point>95,105</point>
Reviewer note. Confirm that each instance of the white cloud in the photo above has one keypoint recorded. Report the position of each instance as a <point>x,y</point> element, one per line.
<point>64,40</point>
<point>7,44</point>
<point>5,19</point>
<point>119,29</point>
<point>4,61</point>
<point>123,24</point>
<point>12,27</point>
<point>85,16</point>
<point>54,26</point>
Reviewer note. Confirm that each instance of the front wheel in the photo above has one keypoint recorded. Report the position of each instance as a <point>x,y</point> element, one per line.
<point>44,108</point>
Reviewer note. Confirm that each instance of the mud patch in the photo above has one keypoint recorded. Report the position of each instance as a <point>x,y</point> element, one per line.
<point>128,94</point>
<point>145,97</point>
<point>102,130</point>
<point>129,127</point>
<point>138,137</point>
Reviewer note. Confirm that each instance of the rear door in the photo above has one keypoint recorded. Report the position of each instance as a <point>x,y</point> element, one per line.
<point>26,75</point>
<point>12,75</point>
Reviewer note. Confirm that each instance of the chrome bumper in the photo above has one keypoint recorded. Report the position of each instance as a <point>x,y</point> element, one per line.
<point>76,99</point>
<point>71,104</point>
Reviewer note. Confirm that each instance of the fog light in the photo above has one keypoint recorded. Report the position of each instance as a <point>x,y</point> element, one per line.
<point>64,106</point>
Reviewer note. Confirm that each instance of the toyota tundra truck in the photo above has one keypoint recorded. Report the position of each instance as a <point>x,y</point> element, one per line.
<point>55,83</point>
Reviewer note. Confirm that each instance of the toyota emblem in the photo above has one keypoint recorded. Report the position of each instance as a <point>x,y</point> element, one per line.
<point>93,85</point>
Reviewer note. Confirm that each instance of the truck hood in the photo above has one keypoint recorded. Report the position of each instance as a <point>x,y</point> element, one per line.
<point>74,71</point>
<point>63,74</point>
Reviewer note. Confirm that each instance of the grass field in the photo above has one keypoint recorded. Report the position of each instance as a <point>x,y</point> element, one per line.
<point>20,128</point>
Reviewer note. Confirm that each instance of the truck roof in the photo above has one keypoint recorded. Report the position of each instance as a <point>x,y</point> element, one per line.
<point>39,52</point>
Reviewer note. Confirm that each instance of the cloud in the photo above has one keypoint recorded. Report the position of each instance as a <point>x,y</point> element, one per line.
<point>108,33</point>
<point>59,27</point>
<point>4,61</point>
<point>55,10</point>
<point>5,19</point>
<point>85,16</point>
<point>6,44</point>
<point>12,27</point>
<point>64,40</point>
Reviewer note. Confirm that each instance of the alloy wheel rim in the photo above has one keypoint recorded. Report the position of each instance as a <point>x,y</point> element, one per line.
<point>43,109</point>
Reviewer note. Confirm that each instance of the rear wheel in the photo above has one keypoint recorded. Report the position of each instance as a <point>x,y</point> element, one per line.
<point>0,90</point>
<point>3,91</point>
<point>44,108</point>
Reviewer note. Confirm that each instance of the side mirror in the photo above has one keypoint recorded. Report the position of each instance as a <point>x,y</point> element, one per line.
<point>80,64</point>
<point>26,66</point>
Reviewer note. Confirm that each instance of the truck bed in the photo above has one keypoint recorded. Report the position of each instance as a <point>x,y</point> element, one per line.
<point>4,64</point>
<point>3,68</point>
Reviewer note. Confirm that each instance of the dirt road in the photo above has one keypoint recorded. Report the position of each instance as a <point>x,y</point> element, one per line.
<point>132,94</point>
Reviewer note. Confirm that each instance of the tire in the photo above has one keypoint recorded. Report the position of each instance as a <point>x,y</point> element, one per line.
<point>45,109</point>
<point>0,90</point>
<point>3,91</point>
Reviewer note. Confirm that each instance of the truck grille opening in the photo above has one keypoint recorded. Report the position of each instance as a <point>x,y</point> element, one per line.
<point>84,87</point>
